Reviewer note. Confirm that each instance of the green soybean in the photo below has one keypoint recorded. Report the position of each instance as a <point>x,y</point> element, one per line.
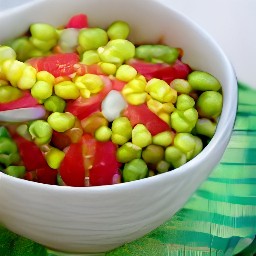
<point>92,38</point>
<point>15,171</point>
<point>209,104</point>
<point>9,93</point>
<point>40,131</point>
<point>61,122</point>
<point>153,154</point>
<point>55,104</point>
<point>135,170</point>
<point>118,30</point>
<point>157,53</point>
<point>203,81</point>
<point>128,152</point>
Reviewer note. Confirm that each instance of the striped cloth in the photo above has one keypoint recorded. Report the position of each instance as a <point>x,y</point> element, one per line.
<point>219,219</point>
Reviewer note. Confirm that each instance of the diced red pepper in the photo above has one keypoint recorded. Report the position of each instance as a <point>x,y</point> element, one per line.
<point>78,21</point>
<point>25,101</point>
<point>141,114</point>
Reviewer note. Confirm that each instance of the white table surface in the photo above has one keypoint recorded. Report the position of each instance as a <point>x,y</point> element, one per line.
<point>231,22</point>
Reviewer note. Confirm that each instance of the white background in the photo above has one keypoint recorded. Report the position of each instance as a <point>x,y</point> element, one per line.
<point>231,22</point>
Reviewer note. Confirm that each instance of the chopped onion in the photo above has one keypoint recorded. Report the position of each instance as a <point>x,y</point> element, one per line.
<point>113,105</point>
<point>22,114</point>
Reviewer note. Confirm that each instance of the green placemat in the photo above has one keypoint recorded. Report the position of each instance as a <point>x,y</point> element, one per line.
<point>219,219</point>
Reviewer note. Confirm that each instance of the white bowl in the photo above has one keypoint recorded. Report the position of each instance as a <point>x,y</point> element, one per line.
<point>98,219</point>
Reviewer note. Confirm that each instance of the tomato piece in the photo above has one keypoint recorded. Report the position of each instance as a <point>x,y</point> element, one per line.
<point>78,21</point>
<point>78,160</point>
<point>30,154</point>
<point>141,114</point>
<point>83,107</point>
<point>72,167</point>
<point>25,101</point>
<point>162,71</point>
<point>90,158</point>
<point>105,169</point>
<point>59,64</point>
<point>168,74</point>
<point>117,84</point>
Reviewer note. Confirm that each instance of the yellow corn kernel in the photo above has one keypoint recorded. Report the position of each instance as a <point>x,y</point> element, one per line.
<point>89,83</point>
<point>126,73</point>
<point>161,91</point>
<point>134,92</point>
<point>67,90</point>
<point>163,110</point>
<point>27,79</point>
<point>12,69</point>
<point>108,68</point>
<point>45,76</point>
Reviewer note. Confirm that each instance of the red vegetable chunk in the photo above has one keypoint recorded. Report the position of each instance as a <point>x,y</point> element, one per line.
<point>25,101</point>
<point>162,71</point>
<point>78,21</point>
<point>83,107</point>
<point>141,114</point>
<point>60,64</point>
<point>95,163</point>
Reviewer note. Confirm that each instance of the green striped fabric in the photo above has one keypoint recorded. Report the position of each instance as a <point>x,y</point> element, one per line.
<point>219,219</point>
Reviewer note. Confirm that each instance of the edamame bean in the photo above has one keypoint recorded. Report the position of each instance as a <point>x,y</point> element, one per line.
<point>92,38</point>
<point>181,86</point>
<point>55,104</point>
<point>16,171</point>
<point>9,93</point>
<point>40,131</point>
<point>157,53</point>
<point>135,170</point>
<point>206,127</point>
<point>116,51</point>
<point>163,138</point>
<point>90,57</point>
<point>103,133</point>
<point>42,90</point>
<point>61,122</point>
<point>184,141</point>
<point>6,53</point>
<point>118,30</point>
<point>184,121</point>
<point>153,154</point>
<point>175,156</point>
<point>209,104</point>
<point>128,152</point>
<point>203,81</point>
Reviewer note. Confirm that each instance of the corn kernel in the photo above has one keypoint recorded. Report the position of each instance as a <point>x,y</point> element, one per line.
<point>161,91</point>
<point>67,90</point>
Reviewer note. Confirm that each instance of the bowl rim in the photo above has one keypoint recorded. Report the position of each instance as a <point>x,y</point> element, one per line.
<point>226,126</point>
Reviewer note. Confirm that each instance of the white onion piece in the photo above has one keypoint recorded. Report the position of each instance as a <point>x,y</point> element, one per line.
<point>22,114</point>
<point>113,105</point>
<point>69,39</point>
